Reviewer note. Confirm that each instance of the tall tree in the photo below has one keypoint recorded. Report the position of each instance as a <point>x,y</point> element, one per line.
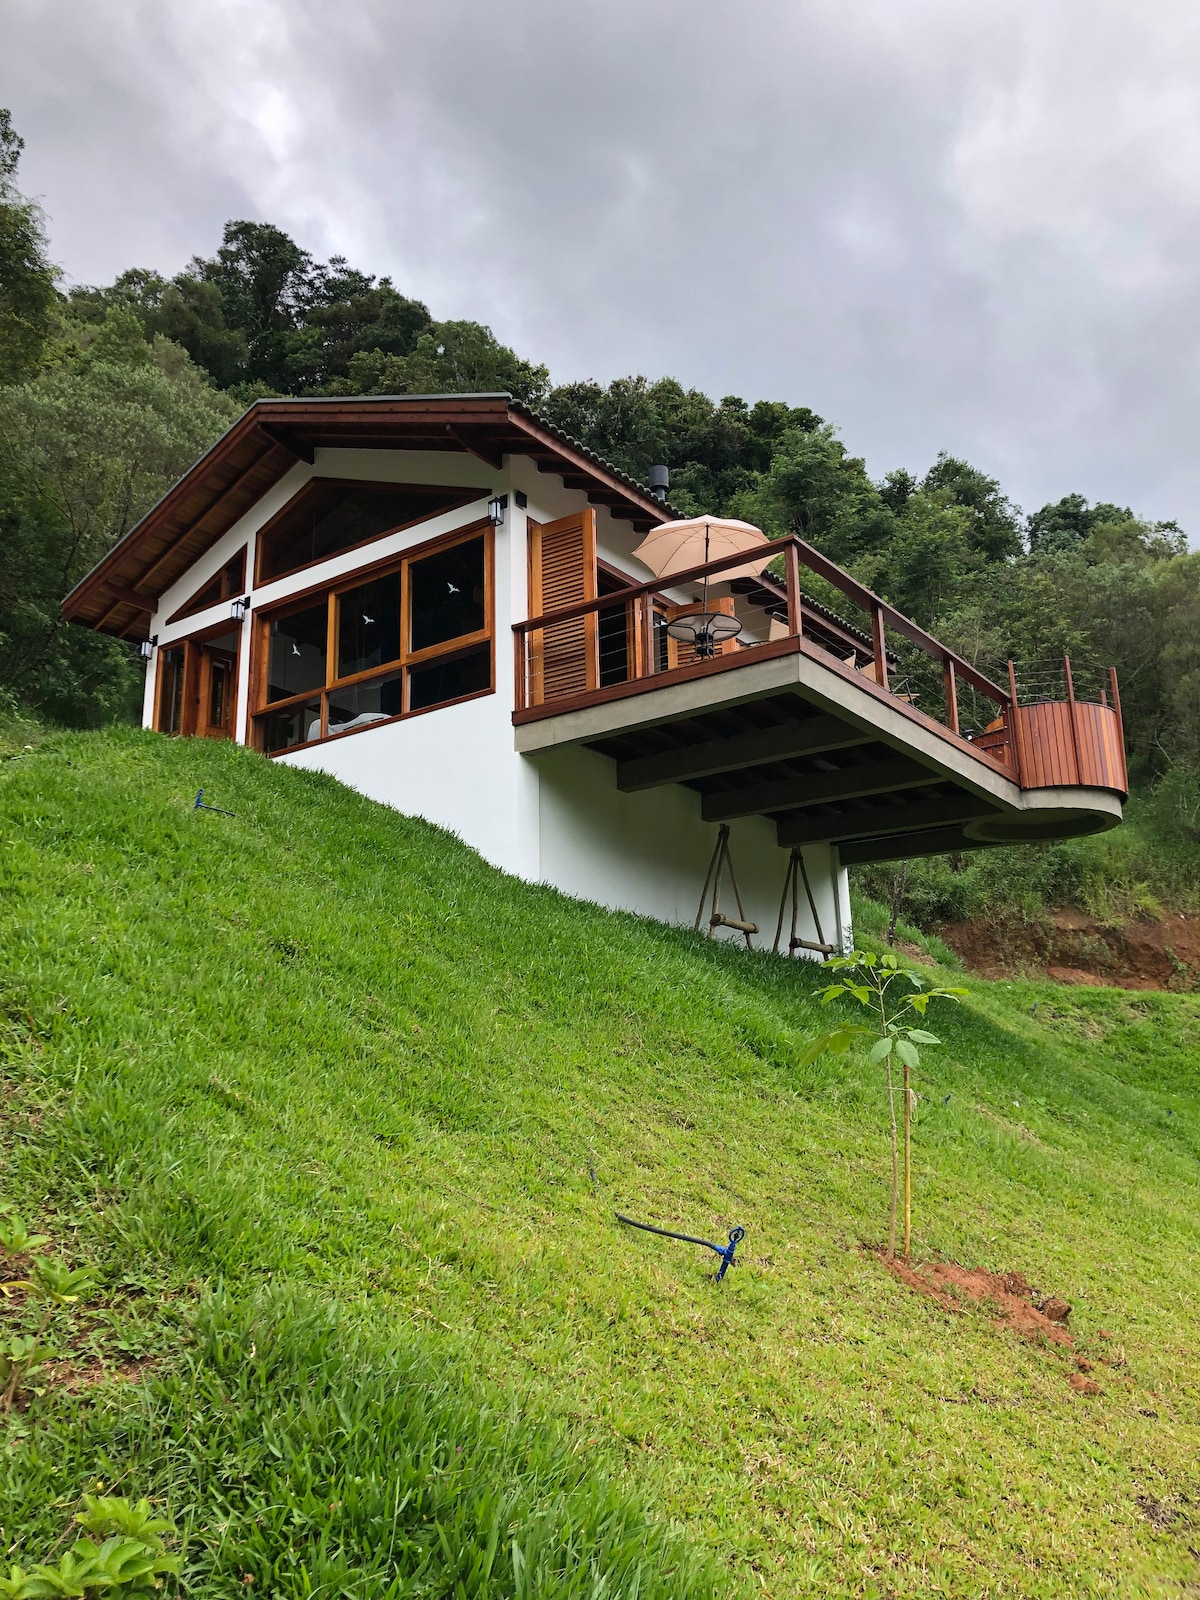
<point>84,452</point>
<point>28,296</point>
<point>994,525</point>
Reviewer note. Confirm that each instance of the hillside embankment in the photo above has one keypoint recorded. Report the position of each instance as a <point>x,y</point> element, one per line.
<point>1068,945</point>
<point>342,1116</point>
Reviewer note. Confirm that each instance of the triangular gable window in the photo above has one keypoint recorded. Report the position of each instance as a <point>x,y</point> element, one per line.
<point>225,585</point>
<point>331,515</point>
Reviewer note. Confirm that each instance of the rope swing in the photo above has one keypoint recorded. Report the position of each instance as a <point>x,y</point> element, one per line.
<point>716,868</point>
<point>797,871</point>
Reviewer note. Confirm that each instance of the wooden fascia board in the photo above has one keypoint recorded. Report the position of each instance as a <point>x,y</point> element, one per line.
<point>276,421</point>
<point>108,566</point>
<point>197,523</point>
<point>645,505</point>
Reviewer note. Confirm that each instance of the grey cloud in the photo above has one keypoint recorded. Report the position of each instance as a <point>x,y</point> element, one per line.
<point>972,227</point>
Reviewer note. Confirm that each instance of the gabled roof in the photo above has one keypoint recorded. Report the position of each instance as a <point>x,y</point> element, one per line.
<point>121,591</point>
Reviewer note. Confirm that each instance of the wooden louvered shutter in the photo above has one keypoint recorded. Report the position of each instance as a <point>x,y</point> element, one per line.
<point>562,570</point>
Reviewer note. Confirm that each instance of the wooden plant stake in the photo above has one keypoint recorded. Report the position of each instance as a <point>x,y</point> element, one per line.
<point>716,868</point>
<point>797,871</point>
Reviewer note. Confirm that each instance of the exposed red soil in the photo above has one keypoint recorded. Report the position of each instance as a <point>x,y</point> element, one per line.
<point>1082,1385</point>
<point>1013,1301</point>
<point>1018,1305</point>
<point>1069,947</point>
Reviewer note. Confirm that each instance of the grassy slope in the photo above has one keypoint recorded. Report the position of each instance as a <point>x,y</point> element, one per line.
<point>322,1044</point>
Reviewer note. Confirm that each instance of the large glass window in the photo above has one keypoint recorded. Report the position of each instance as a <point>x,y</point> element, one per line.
<point>440,681</point>
<point>360,703</point>
<point>296,659</point>
<point>342,659</point>
<point>295,724</point>
<point>368,625</point>
<point>170,689</point>
<point>447,596</point>
<point>328,516</point>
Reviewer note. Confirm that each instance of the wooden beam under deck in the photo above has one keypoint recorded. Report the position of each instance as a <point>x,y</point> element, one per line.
<point>882,820</point>
<point>818,788</point>
<point>816,735</point>
<point>905,846</point>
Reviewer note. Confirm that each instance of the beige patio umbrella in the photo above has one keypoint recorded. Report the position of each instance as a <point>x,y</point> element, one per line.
<point>678,546</point>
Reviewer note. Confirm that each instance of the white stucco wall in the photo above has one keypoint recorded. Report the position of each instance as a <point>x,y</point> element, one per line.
<point>650,852</point>
<point>557,818</point>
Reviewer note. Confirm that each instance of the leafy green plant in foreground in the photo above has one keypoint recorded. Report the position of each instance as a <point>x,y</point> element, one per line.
<point>55,1286</point>
<point>869,981</point>
<point>130,1560</point>
<point>15,1237</point>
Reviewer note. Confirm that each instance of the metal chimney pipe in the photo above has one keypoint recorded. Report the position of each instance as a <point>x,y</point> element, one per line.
<point>660,482</point>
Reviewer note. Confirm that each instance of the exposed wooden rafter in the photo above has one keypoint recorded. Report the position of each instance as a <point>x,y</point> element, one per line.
<point>816,828</point>
<point>817,788</point>
<point>813,736</point>
<point>285,437</point>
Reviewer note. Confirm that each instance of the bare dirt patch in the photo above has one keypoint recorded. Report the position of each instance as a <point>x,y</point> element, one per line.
<point>1068,946</point>
<point>1015,1302</point>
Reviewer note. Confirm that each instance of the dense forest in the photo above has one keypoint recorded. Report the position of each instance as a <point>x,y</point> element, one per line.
<point>109,393</point>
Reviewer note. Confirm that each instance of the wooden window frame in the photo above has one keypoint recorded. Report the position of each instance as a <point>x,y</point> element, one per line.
<point>194,684</point>
<point>189,608</point>
<point>450,650</point>
<point>459,497</point>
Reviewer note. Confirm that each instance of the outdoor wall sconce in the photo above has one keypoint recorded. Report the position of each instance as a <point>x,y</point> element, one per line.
<point>497,506</point>
<point>239,608</point>
<point>147,648</point>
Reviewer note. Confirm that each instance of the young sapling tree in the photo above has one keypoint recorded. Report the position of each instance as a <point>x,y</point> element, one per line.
<point>896,996</point>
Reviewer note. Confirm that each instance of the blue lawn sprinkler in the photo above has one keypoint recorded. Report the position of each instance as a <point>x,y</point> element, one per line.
<point>725,1251</point>
<point>202,805</point>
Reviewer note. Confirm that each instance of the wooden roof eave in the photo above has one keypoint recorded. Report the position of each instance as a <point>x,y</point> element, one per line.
<point>271,436</point>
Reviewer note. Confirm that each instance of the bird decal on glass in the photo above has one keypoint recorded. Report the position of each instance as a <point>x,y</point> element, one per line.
<point>295,649</point>
<point>369,621</point>
<point>453,588</point>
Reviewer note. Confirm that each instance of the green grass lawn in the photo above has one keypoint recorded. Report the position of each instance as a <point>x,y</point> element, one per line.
<point>324,1095</point>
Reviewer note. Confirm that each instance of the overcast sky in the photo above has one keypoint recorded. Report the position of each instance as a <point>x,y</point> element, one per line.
<point>961,224</point>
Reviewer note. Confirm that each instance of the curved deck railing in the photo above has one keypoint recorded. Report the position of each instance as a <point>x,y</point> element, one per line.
<point>616,644</point>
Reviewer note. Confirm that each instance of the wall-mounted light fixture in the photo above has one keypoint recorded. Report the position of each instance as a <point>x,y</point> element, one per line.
<point>147,648</point>
<point>497,506</point>
<point>239,608</point>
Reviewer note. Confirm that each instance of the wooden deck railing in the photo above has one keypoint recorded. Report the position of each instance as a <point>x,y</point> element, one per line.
<point>623,649</point>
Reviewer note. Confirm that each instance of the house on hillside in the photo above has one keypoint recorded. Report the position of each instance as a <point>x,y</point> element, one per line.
<point>436,599</point>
